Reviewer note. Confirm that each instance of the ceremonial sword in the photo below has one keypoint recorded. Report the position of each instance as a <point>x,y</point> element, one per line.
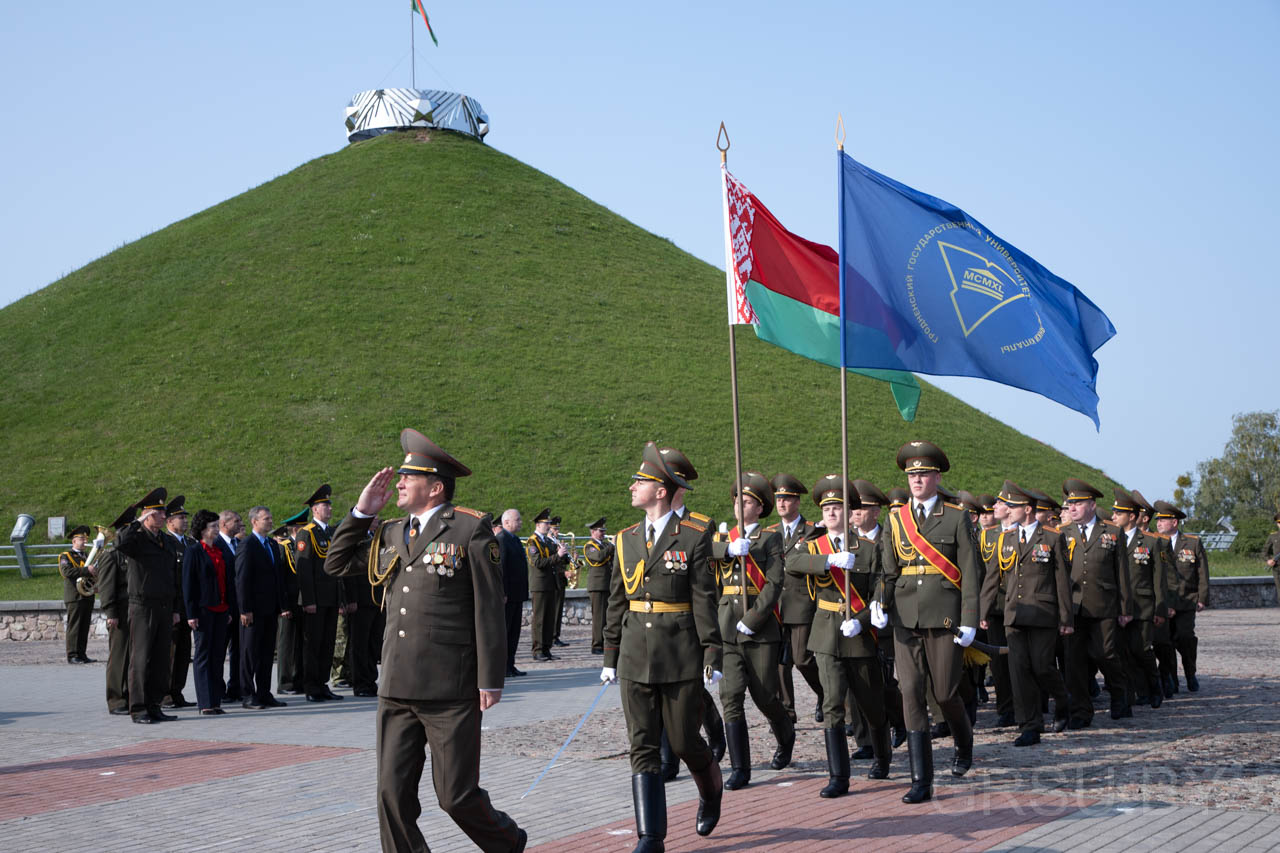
<point>572,735</point>
<point>985,648</point>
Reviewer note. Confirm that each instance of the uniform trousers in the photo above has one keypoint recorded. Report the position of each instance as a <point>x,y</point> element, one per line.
<point>599,602</point>
<point>544,618</point>
<point>559,617</point>
<point>118,666</point>
<point>929,654</point>
<point>180,659</point>
<point>79,621</point>
<point>150,629</point>
<point>363,672</point>
<point>1182,628</point>
<point>675,707</point>
<point>340,669</point>
<point>210,648</point>
<point>319,633</point>
<point>1138,651</point>
<point>289,652</point>
<point>451,730</point>
<point>1033,675</point>
<point>795,639</point>
<point>257,651</point>
<point>752,667</point>
<point>1095,642</point>
<point>863,677</point>
<point>515,615</point>
<point>997,635</point>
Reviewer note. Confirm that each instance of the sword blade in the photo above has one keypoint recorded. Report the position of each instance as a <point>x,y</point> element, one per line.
<point>568,740</point>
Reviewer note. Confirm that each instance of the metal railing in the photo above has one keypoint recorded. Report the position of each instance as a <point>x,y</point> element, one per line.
<point>37,557</point>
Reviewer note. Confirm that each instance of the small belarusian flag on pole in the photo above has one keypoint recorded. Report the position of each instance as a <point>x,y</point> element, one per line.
<point>418,7</point>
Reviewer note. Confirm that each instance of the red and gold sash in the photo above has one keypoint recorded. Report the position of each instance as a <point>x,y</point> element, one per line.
<point>856,603</point>
<point>948,569</point>
<point>753,571</point>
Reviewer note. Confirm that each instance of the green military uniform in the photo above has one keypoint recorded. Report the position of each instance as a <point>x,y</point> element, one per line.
<point>562,584</point>
<point>989,552</point>
<point>544,565</point>
<point>180,649</point>
<point>359,657</point>
<point>751,659</point>
<point>1271,553</point>
<point>1031,587</point>
<point>1161,638</point>
<point>113,599</point>
<point>1101,592</point>
<point>920,600</point>
<point>289,628</point>
<point>318,590</point>
<point>1189,582</point>
<point>795,606</point>
<point>445,641</point>
<point>663,640</point>
<point>598,555</point>
<point>71,565</point>
<point>1148,574</point>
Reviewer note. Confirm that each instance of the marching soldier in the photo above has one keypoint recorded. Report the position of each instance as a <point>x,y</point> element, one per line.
<point>1031,571</point>
<point>1190,582</point>
<point>1161,638</point>
<point>153,607</point>
<point>547,559</point>
<point>1102,600</point>
<point>795,605</point>
<point>444,651</point>
<point>289,643</point>
<point>597,553</point>
<point>562,583</point>
<point>834,561</point>
<point>663,642</point>
<point>71,565</point>
<point>992,612</point>
<point>113,598</point>
<point>319,595</point>
<point>1271,553</point>
<point>180,656</point>
<point>931,573</point>
<point>748,565</point>
<point>1148,576</point>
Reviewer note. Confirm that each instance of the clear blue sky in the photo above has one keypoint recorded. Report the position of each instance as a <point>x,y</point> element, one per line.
<point>1130,148</point>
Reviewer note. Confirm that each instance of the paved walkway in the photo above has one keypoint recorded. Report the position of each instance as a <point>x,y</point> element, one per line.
<point>1200,774</point>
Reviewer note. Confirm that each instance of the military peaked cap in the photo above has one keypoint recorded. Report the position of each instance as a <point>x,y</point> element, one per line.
<point>1143,503</point>
<point>786,485</point>
<point>130,513</point>
<point>969,502</point>
<point>1124,501</point>
<point>81,530</point>
<point>1164,509</point>
<point>869,495</point>
<point>679,464</point>
<point>598,524</point>
<point>898,496</point>
<point>177,506</point>
<point>654,467</point>
<point>917,456</point>
<point>422,456</point>
<point>155,499</point>
<point>1079,490</point>
<point>545,515</point>
<point>830,490</point>
<point>1014,495</point>
<point>755,485</point>
<point>320,496</point>
<point>988,502</point>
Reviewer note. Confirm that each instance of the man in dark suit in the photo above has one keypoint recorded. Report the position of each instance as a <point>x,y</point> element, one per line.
<point>320,597</point>
<point>230,527</point>
<point>515,583</point>
<point>260,591</point>
<point>180,662</point>
<point>444,647</point>
<point>113,597</point>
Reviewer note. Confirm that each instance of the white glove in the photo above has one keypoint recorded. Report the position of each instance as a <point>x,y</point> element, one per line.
<point>966,636</point>
<point>740,547</point>
<point>878,617</point>
<point>97,542</point>
<point>609,675</point>
<point>851,627</point>
<point>742,628</point>
<point>841,560</point>
<point>711,682</point>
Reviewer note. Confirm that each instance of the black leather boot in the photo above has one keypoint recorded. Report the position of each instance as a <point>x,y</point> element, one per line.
<point>920,751</point>
<point>670,763</point>
<point>739,754</point>
<point>880,745</point>
<point>837,763</point>
<point>715,739</point>
<point>710,793</point>
<point>964,751</point>
<point>1155,693</point>
<point>786,743</point>
<point>650,800</point>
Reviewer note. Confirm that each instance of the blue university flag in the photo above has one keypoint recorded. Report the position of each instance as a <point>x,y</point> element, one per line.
<point>926,288</point>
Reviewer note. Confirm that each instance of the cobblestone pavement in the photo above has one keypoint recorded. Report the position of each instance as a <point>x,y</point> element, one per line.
<point>1201,773</point>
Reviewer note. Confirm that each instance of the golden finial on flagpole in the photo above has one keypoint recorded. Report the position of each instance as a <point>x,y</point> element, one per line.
<point>839,132</point>
<point>723,149</point>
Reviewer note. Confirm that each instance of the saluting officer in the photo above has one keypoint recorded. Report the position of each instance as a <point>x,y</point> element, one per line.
<point>71,565</point>
<point>749,574</point>
<point>845,648</point>
<point>176,522</point>
<point>597,553</point>
<point>319,596</point>
<point>1148,574</point>
<point>1190,582</point>
<point>795,606</point>
<point>1031,570</point>
<point>444,650</point>
<point>662,640</point>
<point>931,580</point>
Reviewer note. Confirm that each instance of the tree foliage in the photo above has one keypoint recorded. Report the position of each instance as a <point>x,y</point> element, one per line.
<point>1244,482</point>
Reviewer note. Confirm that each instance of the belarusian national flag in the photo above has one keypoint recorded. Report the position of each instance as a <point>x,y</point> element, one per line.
<point>418,7</point>
<point>788,288</point>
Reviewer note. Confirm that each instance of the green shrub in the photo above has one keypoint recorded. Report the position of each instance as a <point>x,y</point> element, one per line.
<point>1253,533</point>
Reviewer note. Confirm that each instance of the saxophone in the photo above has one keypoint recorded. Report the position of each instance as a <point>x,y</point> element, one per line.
<point>575,561</point>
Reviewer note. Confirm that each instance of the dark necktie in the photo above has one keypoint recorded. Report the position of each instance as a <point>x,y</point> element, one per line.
<point>414,526</point>
<point>1024,536</point>
<point>838,546</point>
<point>267,545</point>
<point>231,543</point>
<point>919,515</point>
<point>649,542</point>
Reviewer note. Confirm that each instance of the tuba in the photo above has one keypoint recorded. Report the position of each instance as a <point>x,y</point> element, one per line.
<point>88,586</point>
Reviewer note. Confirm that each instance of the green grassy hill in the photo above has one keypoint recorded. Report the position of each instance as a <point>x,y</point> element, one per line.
<point>282,339</point>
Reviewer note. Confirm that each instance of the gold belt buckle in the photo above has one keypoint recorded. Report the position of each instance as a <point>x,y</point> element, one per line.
<point>648,607</point>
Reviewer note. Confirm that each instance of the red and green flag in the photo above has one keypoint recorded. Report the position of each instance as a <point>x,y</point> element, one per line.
<point>418,7</point>
<point>788,289</point>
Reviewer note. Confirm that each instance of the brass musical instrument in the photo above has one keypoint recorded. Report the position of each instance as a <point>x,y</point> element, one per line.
<point>575,561</point>
<point>88,586</point>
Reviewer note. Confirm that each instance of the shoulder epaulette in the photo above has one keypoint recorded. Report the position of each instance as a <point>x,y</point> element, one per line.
<point>1052,529</point>
<point>1157,535</point>
<point>1191,536</point>
<point>953,506</point>
<point>632,527</point>
<point>693,525</point>
<point>310,525</point>
<point>705,519</point>
<point>773,528</point>
<point>469,511</point>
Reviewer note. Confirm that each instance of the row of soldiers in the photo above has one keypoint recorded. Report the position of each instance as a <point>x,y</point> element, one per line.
<point>898,610</point>
<point>152,610</point>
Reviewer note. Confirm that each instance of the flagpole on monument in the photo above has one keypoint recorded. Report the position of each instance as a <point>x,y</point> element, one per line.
<point>733,381</point>
<point>844,376</point>
<point>413,53</point>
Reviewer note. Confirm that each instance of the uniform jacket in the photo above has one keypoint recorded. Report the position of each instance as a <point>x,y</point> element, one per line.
<point>766,550</point>
<point>806,564</point>
<point>795,603</point>
<point>71,567</point>
<point>992,553</point>
<point>653,647</point>
<point>150,566</point>
<point>1100,585</point>
<point>544,565</point>
<point>1037,582</point>
<point>1272,550</point>
<point>310,545</point>
<point>924,601</point>
<point>113,585</point>
<point>1190,576</point>
<point>177,546</point>
<point>515,567</point>
<point>1149,575</point>
<point>599,559</point>
<point>446,634</point>
<point>259,583</point>
<point>289,574</point>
